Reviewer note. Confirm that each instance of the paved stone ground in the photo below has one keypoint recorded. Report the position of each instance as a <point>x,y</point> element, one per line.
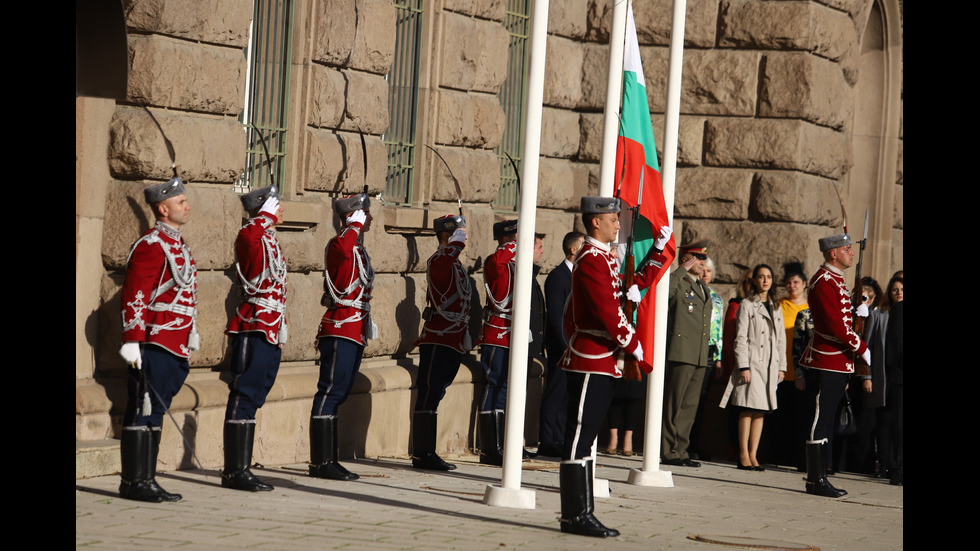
<point>394,506</point>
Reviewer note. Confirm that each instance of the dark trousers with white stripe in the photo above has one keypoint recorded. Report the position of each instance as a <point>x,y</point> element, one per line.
<point>254,365</point>
<point>824,391</point>
<point>340,359</point>
<point>589,396</point>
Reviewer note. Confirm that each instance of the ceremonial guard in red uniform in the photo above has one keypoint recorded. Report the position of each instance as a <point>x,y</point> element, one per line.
<point>445,337</point>
<point>498,276</point>
<point>159,313</point>
<point>598,336</point>
<point>829,358</point>
<point>344,331</point>
<point>257,331</point>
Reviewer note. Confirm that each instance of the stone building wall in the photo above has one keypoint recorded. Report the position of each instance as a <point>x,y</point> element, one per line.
<point>767,113</point>
<point>766,139</point>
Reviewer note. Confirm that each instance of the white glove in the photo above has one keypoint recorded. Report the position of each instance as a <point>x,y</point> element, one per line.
<point>638,353</point>
<point>862,310</point>
<point>633,294</point>
<point>357,217</point>
<point>866,356</point>
<point>131,353</point>
<point>458,236</point>
<point>271,206</point>
<point>661,241</point>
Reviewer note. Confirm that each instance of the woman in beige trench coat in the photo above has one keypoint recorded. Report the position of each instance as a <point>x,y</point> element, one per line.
<point>760,361</point>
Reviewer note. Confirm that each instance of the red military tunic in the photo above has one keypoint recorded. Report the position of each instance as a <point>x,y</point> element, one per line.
<point>833,338</point>
<point>262,272</point>
<point>448,296</point>
<point>348,281</point>
<point>594,319</point>
<point>498,276</point>
<point>159,297</point>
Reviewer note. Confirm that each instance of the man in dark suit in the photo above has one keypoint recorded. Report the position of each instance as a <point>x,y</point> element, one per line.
<point>554,401</point>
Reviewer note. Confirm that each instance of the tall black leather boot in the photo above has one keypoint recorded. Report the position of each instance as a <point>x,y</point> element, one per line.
<point>239,436</point>
<point>816,470</point>
<point>577,502</point>
<point>424,443</point>
<point>323,450</point>
<point>138,448</point>
<point>491,444</point>
<point>151,466</point>
<point>134,447</point>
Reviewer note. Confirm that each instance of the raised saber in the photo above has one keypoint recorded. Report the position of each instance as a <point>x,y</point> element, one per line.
<point>364,193</point>
<point>459,191</point>
<point>166,141</point>
<point>268,157</point>
<point>517,173</point>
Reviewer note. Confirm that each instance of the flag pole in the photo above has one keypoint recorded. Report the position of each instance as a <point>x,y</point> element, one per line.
<point>509,493</point>
<point>651,475</point>
<point>614,93</point>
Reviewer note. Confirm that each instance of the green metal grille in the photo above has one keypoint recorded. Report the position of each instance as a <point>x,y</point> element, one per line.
<point>267,92</point>
<point>512,95</point>
<point>403,87</point>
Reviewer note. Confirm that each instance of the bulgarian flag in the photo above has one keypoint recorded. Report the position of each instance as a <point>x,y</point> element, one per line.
<point>636,157</point>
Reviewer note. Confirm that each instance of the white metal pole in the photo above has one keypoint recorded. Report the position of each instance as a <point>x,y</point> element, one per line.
<point>651,475</point>
<point>509,493</point>
<point>614,93</point>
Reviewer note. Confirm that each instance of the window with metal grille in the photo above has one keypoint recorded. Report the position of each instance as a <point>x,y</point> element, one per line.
<point>267,93</point>
<point>403,87</point>
<point>512,95</point>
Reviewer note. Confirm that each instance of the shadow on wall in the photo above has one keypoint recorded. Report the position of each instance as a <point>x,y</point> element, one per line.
<point>408,318</point>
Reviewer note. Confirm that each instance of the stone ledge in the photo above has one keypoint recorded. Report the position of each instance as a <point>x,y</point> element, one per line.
<point>204,389</point>
<point>376,417</point>
<point>96,458</point>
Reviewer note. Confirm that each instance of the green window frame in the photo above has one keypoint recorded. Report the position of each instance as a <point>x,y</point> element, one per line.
<point>403,92</point>
<point>266,109</point>
<point>512,96</point>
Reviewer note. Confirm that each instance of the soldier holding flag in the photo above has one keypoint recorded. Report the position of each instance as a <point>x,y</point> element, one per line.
<point>598,335</point>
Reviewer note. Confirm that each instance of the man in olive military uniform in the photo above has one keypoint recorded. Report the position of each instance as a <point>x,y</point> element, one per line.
<point>688,327</point>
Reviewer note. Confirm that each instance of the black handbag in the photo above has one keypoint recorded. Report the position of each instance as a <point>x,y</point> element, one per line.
<point>846,424</point>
